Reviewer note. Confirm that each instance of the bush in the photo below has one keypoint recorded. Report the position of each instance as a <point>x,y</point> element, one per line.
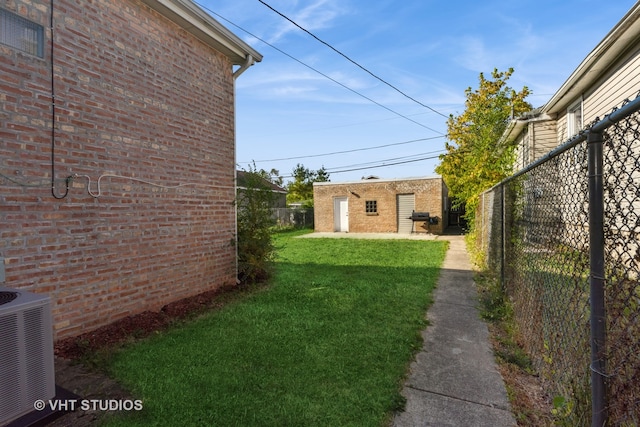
<point>256,251</point>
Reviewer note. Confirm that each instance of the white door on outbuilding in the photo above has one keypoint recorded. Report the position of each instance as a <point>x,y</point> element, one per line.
<point>406,204</point>
<point>341,214</point>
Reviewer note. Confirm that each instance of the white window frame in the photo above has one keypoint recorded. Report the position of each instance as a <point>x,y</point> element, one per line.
<point>574,118</point>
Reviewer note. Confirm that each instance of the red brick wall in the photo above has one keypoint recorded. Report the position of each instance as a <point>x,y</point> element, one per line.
<point>136,97</point>
<point>429,197</point>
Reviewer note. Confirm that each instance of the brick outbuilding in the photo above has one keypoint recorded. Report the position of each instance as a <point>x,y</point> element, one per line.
<point>381,205</point>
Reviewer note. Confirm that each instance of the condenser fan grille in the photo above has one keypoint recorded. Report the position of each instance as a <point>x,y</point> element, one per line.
<point>7,296</point>
<point>27,372</point>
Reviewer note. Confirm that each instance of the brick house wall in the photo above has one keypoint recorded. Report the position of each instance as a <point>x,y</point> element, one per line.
<point>430,196</point>
<point>143,109</point>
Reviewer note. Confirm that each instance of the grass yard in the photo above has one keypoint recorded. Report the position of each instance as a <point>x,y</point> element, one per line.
<point>327,343</point>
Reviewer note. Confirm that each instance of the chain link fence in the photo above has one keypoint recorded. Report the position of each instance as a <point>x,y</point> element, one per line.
<point>572,276</point>
<point>293,217</point>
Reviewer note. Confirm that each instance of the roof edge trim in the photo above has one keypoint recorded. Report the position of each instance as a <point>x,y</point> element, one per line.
<point>193,19</point>
<point>595,64</point>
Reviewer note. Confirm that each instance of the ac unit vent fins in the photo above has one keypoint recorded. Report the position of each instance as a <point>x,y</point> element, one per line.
<point>7,296</point>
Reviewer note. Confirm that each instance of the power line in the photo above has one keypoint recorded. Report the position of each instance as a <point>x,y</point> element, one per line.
<point>319,72</point>
<point>352,61</point>
<point>346,151</point>
<point>377,166</point>
<point>401,159</point>
<point>386,164</point>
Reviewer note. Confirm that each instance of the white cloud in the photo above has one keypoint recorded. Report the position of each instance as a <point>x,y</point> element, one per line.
<point>317,15</point>
<point>472,54</point>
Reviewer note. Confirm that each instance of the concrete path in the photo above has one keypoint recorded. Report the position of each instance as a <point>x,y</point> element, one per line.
<point>336,235</point>
<point>454,380</point>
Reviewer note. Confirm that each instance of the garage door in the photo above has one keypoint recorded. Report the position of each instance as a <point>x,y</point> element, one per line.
<point>406,204</point>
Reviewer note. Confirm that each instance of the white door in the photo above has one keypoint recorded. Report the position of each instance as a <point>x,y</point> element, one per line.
<point>341,214</point>
<point>406,204</point>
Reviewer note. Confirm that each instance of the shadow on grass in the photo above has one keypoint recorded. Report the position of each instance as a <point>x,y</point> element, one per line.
<point>325,344</point>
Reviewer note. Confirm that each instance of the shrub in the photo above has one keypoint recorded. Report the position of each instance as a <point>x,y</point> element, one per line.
<point>256,251</point>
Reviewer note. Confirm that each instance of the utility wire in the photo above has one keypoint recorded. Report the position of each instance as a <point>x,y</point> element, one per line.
<point>319,72</point>
<point>377,166</point>
<point>352,61</point>
<point>346,151</point>
<point>410,158</point>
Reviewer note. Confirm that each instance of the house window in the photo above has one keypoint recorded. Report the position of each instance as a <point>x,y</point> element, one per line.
<point>574,119</point>
<point>20,33</point>
<point>371,207</point>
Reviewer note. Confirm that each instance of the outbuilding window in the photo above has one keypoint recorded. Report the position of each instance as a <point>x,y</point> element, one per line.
<point>21,34</point>
<point>371,207</point>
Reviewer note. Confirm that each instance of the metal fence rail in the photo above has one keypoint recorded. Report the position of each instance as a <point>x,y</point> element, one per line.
<point>564,237</point>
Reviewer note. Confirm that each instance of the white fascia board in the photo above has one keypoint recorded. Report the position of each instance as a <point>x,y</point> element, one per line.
<point>515,126</point>
<point>196,21</point>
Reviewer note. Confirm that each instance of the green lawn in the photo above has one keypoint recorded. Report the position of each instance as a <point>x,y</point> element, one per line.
<point>327,343</point>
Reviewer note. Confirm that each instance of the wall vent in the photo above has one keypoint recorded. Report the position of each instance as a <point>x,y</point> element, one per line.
<point>26,352</point>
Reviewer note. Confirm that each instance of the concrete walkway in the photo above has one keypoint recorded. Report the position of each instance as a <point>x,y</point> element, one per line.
<point>454,379</point>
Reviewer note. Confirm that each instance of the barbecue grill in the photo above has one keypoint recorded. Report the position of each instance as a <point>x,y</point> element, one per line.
<point>419,216</point>
<point>422,217</point>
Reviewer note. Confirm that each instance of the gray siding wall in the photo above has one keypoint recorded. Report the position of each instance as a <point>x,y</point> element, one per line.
<point>620,83</point>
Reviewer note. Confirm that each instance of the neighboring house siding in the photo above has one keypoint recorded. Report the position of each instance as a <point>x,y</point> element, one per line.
<point>136,96</point>
<point>430,196</point>
<point>523,150</point>
<point>562,135</point>
<point>544,135</point>
<point>536,139</point>
<point>619,84</point>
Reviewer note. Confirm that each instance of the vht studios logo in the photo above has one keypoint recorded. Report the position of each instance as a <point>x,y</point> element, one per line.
<point>88,405</point>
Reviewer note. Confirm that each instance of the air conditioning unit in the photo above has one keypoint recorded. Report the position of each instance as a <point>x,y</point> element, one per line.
<point>26,352</point>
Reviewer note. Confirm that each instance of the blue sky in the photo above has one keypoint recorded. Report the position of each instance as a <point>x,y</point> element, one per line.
<point>432,51</point>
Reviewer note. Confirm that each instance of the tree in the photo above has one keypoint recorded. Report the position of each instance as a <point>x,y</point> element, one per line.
<point>475,160</point>
<point>301,188</point>
<point>272,176</point>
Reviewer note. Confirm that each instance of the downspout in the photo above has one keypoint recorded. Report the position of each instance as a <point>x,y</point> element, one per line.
<point>247,63</point>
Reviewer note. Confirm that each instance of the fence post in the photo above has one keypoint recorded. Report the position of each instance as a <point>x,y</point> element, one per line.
<point>596,279</point>
<point>503,235</point>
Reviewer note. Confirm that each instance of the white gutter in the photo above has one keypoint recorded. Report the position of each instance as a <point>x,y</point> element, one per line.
<point>513,129</point>
<point>515,126</point>
<point>247,63</point>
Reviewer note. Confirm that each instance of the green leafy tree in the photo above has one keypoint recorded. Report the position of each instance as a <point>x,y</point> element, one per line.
<point>272,176</point>
<point>476,159</point>
<point>300,190</point>
<point>256,250</point>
